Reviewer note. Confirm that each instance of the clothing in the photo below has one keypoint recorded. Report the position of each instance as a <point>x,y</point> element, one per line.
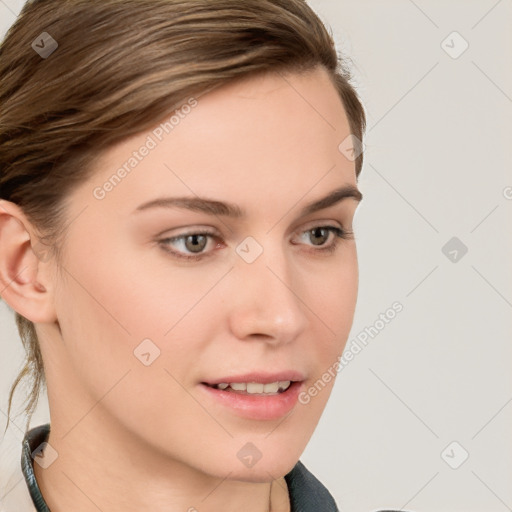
<point>307,493</point>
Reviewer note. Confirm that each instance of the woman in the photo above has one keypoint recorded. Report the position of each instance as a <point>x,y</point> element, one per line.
<point>178,184</point>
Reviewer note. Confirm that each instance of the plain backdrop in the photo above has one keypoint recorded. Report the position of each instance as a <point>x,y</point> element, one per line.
<point>421,418</point>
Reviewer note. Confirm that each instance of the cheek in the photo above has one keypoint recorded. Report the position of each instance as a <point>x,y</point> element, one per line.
<point>334,307</point>
<point>337,301</point>
<point>119,314</point>
<point>119,359</point>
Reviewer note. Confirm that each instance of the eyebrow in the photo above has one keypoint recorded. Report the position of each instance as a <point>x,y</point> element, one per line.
<point>213,207</point>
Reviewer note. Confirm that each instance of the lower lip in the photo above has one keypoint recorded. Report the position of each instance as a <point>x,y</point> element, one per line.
<point>257,407</point>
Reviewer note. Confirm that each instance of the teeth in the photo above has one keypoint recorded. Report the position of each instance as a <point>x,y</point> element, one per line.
<point>284,385</point>
<point>255,387</point>
<point>273,387</point>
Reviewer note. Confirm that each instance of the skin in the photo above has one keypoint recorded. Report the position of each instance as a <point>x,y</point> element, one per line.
<point>132,437</point>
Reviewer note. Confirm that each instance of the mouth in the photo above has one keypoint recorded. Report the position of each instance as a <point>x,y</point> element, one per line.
<point>256,396</point>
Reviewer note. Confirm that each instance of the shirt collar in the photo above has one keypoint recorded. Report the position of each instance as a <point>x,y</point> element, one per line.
<point>33,442</point>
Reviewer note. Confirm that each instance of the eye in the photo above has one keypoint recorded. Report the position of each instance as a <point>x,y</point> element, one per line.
<point>319,233</point>
<point>196,242</point>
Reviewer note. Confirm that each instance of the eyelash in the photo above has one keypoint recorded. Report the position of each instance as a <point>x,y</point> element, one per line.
<point>340,234</point>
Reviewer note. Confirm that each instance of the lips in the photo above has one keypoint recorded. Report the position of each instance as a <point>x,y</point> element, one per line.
<point>256,395</point>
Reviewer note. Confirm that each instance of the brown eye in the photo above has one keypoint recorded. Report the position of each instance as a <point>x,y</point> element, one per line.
<point>320,234</point>
<point>193,243</point>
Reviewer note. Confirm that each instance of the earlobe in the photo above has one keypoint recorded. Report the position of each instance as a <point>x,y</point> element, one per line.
<point>24,281</point>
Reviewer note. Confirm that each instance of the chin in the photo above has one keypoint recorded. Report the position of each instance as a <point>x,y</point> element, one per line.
<point>266,465</point>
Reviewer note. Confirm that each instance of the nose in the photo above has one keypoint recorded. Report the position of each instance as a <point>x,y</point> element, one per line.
<point>267,303</point>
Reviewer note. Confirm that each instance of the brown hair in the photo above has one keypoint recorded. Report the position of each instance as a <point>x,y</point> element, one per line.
<point>119,67</point>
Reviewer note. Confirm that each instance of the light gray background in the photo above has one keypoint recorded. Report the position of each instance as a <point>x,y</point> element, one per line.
<point>438,164</point>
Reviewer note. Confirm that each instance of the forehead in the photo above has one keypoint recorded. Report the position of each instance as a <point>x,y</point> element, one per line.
<point>267,137</point>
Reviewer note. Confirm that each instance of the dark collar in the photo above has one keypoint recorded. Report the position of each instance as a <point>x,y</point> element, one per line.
<point>32,440</point>
<point>307,494</point>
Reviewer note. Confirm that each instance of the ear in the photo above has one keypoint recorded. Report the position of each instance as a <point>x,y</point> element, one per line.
<point>25,282</point>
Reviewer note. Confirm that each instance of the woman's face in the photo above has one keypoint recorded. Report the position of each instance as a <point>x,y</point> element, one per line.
<point>144,334</point>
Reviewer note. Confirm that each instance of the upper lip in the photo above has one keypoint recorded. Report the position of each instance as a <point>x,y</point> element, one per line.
<point>259,377</point>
